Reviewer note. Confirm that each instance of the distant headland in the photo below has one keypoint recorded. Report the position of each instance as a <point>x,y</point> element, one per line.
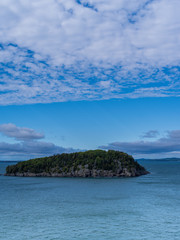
<point>92,163</point>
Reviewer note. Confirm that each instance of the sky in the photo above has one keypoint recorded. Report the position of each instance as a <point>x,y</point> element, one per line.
<point>89,74</point>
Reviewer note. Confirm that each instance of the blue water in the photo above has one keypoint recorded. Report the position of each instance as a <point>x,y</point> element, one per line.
<point>143,208</point>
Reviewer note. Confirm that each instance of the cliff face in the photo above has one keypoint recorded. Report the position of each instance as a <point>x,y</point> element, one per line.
<point>96,163</point>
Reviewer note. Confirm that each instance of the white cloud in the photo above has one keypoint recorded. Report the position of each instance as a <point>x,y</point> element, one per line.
<point>71,50</point>
<point>20,133</point>
<point>150,134</point>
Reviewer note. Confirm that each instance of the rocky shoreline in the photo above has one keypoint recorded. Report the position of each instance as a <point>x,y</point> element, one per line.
<point>85,173</point>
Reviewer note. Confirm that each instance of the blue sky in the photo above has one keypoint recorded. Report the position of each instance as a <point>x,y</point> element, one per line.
<point>78,75</point>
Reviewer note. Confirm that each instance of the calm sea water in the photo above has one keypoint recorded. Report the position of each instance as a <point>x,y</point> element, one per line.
<point>143,208</point>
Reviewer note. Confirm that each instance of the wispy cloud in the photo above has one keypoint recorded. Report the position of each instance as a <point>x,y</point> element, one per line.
<point>168,144</point>
<point>150,134</point>
<point>54,51</point>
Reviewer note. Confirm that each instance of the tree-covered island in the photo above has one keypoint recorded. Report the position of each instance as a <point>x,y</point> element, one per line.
<point>92,163</point>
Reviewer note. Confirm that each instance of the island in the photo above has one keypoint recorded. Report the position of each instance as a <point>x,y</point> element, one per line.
<point>92,163</point>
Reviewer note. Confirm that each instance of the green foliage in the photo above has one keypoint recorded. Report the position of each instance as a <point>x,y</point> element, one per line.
<point>95,159</point>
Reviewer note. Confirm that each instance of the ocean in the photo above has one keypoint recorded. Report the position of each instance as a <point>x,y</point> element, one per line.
<point>140,208</point>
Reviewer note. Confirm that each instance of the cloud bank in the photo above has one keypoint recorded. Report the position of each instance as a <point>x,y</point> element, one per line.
<point>37,148</point>
<point>28,144</point>
<point>53,51</point>
<point>168,144</point>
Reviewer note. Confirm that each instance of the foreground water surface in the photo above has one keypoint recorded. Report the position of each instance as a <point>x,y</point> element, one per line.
<point>142,208</point>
